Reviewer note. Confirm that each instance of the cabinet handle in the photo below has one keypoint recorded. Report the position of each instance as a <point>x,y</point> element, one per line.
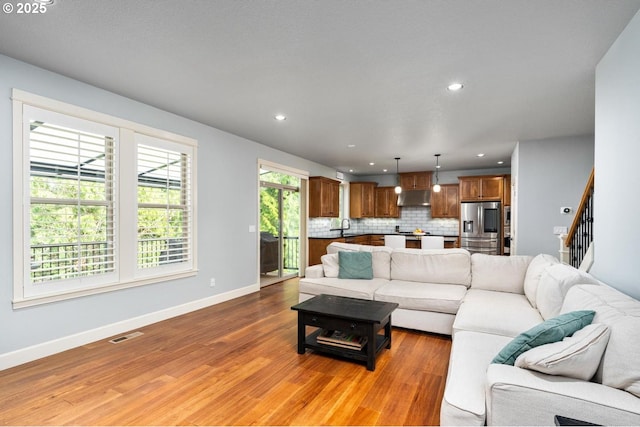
<point>353,326</point>
<point>314,319</point>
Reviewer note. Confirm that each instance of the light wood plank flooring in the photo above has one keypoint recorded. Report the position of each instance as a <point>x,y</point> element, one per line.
<point>231,364</point>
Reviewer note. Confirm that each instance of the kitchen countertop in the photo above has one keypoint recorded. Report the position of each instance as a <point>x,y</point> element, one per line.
<point>447,237</point>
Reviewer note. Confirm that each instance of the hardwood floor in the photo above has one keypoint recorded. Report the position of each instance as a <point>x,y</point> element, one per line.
<point>231,364</point>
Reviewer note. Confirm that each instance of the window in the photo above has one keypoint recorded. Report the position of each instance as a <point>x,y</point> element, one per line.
<point>78,228</point>
<point>164,217</point>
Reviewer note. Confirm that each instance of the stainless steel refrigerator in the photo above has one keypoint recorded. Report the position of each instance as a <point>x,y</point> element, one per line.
<point>480,227</point>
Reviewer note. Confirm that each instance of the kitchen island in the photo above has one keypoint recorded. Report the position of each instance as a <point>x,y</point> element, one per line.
<point>318,245</point>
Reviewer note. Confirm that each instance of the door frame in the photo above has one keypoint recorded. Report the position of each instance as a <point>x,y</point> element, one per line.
<point>304,202</point>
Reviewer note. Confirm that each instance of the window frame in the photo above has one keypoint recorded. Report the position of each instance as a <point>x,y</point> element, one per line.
<point>127,274</point>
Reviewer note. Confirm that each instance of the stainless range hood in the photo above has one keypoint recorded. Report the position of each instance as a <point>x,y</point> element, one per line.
<point>414,198</point>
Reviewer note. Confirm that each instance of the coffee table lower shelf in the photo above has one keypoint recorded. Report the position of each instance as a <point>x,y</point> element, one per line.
<point>311,342</point>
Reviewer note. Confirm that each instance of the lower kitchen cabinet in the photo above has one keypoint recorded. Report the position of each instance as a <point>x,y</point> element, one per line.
<point>413,244</point>
<point>318,247</point>
<point>377,240</point>
<point>359,240</point>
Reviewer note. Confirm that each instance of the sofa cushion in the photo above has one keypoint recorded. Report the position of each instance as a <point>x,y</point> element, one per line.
<point>620,367</point>
<point>501,313</point>
<point>464,395</point>
<point>554,283</point>
<point>355,265</point>
<point>499,273</point>
<point>444,266</point>
<point>341,287</point>
<point>381,256</point>
<point>577,356</point>
<point>534,272</point>
<point>434,297</point>
<point>335,247</point>
<point>330,265</point>
<point>549,331</point>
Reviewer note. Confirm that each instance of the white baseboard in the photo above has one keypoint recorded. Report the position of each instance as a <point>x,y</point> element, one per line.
<point>28,354</point>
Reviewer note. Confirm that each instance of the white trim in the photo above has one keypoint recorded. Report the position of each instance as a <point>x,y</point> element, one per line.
<point>28,354</point>
<point>85,113</point>
<point>287,170</point>
<point>304,201</point>
<point>125,284</point>
<point>24,295</point>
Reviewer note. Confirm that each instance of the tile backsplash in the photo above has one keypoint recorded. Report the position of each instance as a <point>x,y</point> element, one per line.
<point>410,219</point>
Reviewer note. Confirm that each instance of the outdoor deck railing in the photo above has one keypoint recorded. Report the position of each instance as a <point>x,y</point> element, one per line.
<point>62,261</point>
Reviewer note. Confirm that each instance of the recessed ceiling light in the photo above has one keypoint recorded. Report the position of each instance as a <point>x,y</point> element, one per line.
<point>280,117</point>
<point>351,145</point>
<point>453,87</point>
<point>372,164</point>
<point>480,155</point>
<point>350,170</point>
<point>500,162</point>
<point>384,170</point>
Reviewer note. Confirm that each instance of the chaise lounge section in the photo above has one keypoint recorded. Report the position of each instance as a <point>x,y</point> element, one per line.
<point>484,302</point>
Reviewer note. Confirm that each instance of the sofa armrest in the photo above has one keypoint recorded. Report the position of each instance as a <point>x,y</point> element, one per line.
<point>516,396</point>
<point>314,271</point>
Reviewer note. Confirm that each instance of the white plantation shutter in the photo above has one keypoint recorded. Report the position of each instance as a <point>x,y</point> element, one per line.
<point>71,199</point>
<point>100,203</point>
<point>164,204</point>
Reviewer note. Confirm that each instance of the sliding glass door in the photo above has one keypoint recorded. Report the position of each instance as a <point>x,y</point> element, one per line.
<point>279,226</point>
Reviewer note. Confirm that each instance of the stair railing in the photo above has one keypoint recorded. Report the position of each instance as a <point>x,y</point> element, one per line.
<point>580,234</point>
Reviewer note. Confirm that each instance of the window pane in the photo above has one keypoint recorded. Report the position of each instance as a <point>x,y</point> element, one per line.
<point>163,207</point>
<point>71,209</point>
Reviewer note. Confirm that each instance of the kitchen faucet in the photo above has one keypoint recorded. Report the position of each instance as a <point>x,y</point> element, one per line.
<point>342,226</point>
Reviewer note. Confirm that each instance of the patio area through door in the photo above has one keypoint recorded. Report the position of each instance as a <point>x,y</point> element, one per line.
<point>279,226</point>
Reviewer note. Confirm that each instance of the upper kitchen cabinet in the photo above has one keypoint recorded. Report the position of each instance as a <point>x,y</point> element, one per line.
<point>386,203</point>
<point>445,204</point>
<point>415,180</point>
<point>362,199</point>
<point>474,188</point>
<point>507,190</point>
<point>324,197</point>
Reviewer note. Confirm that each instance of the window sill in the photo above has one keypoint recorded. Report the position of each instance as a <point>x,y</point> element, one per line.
<point>62,296</point>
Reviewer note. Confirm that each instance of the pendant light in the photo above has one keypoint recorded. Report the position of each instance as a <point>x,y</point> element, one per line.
<point>398,189</point>
<point>436,187</point>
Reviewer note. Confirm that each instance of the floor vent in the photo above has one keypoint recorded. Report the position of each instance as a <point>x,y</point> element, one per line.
<point>125,337</point>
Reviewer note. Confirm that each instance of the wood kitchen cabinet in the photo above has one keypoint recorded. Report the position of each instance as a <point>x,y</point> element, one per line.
<point>415,180</point>
<point>386,203</point>
<point>363,239</point>
<point>324,197</point>
<point>377,240</point>
<point>507,191</point>
<point>446,203</point>
<point>413,244</point>
<point>318,247</point>
<point>474,188</point>
<point>362,199</point>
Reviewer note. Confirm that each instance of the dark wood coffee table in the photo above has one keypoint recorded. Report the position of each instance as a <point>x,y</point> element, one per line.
<point>357,316</point>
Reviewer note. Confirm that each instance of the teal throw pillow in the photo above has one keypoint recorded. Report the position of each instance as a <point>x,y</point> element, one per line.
<point>355,265</point>
<point>551,330</point>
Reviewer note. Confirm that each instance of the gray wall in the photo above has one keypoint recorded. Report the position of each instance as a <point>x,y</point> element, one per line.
<point>227,205</point>
<point>550,174</point>
<point>617,175</point>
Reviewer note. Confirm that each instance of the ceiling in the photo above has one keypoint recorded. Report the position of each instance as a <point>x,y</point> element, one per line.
<point>368,74</point>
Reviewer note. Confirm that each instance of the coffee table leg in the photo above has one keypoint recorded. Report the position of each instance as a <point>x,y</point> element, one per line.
<point>301,332</point>
<point>371,349</point>
<point>387,331</point>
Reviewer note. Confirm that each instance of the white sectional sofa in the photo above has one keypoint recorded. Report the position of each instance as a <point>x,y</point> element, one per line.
<point>485,301</point>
